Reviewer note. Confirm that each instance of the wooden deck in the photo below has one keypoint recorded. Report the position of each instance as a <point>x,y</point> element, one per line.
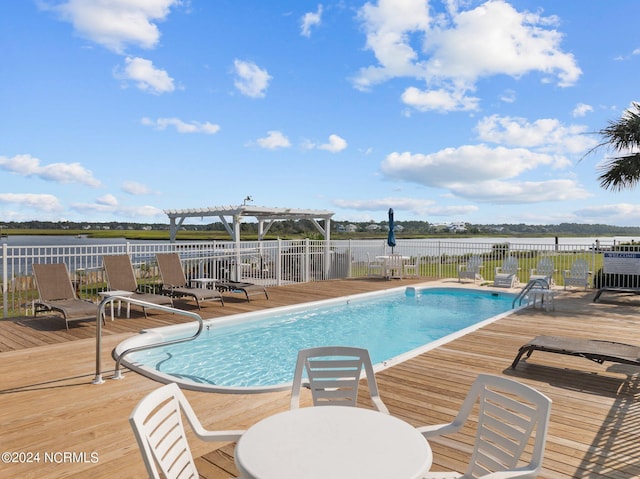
<point>49,406</point>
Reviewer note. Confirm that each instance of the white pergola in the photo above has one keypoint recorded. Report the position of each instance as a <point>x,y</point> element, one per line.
<point>231,217</point>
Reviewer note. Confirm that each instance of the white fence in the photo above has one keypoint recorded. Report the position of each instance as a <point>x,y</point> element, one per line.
<point>280,262</point>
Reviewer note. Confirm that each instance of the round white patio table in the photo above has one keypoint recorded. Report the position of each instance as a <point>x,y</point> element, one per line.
<point>332,442</point>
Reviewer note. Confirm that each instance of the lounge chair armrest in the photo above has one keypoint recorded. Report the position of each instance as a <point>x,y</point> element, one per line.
<point>146,288</point>
<point>439,429</point>
<point>219,436</point>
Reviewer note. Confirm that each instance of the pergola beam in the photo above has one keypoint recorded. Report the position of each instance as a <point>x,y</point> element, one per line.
<point>265,216</point>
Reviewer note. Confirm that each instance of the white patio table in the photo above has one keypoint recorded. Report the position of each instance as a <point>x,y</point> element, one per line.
<point>124,294</point>
<point>205,282</point>
<point>332,442</point>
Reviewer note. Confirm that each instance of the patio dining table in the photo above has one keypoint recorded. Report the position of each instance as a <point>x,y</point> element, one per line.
<point>335,442</point>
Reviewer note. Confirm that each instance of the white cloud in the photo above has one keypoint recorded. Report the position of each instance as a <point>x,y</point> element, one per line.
<point>388,26</point>
<point>182,126</point>
<point>107,200</point>
<point>135,188</point>
<point>508,96</point>
<point>147,77</point>
<point>116,24</point>
<point>581,109</point>
<point>520,192</point>
<point>450,59</point>
<point>439,100</point>
<point>622,213</point>
<point>251,80</point>
<point>466,164</point>
<point>484,174</point>
<point>546,134</point>
<point>109,204</point>
<point>416,206</point>
<point>309,20</point>
<point>27,165</point>
<point>491,173</point>
<point>274,140</point>
<point>40,202</point>
<point>335,144</point>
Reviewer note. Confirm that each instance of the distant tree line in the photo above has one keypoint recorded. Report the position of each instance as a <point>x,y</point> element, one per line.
<point>409,228</point>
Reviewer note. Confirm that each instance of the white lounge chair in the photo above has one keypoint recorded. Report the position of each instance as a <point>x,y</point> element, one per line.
<point>509,414</point>
<point>507,274</point>
<point>471,270</point>
<point>333,374</point>
<point>578,275</point>
<point>544,270</point>
<point>157,425</point>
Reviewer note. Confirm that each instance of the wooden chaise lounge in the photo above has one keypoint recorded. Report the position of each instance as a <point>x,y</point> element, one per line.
<point>593,349</point>
<point>249,289</point>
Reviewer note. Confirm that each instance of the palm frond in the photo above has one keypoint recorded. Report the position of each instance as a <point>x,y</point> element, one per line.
<point>621,172</point>
<point>624,134</point>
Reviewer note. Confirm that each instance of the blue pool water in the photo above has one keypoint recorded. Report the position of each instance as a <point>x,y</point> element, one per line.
<point>262,353</point>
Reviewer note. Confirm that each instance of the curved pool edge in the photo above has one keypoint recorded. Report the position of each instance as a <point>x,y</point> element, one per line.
<point>149,336</point>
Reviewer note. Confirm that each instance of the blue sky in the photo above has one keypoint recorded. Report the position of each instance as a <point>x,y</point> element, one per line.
<point>466,110</point>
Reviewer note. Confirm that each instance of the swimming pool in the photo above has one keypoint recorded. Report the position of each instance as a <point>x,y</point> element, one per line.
<point>256,352</point>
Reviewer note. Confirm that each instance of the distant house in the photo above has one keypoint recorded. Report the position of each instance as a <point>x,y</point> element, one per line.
<point>373,227</point>
<point>458,227</point>
<point>350,228</point>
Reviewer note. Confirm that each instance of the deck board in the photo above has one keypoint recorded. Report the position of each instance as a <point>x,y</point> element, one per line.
<point>48,404</point>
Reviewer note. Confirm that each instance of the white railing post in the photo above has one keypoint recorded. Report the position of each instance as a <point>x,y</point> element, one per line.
<point>307,261</point>
<point>279,260</point>
<point>5,281</point>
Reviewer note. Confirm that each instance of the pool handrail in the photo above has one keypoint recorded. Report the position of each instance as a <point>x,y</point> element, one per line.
<point>117,375</point>
<point>537,282</point>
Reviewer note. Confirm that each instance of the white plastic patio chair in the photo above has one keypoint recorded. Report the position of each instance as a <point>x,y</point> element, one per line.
<point>333,374</point>
<point>412,269</point>
<point>471,270</point>
<point>374,266</point>
<point>157,425</point>
<point>544,270</point>
<point>394,266</point>
<point>578,275</point>
<point>510,414</point>
<point>507,274</point>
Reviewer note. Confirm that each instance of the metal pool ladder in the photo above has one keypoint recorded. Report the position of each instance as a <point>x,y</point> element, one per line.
<point>533,283</point>
<point>117,374</point>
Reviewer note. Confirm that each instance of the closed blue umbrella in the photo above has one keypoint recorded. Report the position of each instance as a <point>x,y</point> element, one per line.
<point>391,238</point>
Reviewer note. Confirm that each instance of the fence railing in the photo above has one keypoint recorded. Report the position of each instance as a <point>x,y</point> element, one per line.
<point>278,262</point>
